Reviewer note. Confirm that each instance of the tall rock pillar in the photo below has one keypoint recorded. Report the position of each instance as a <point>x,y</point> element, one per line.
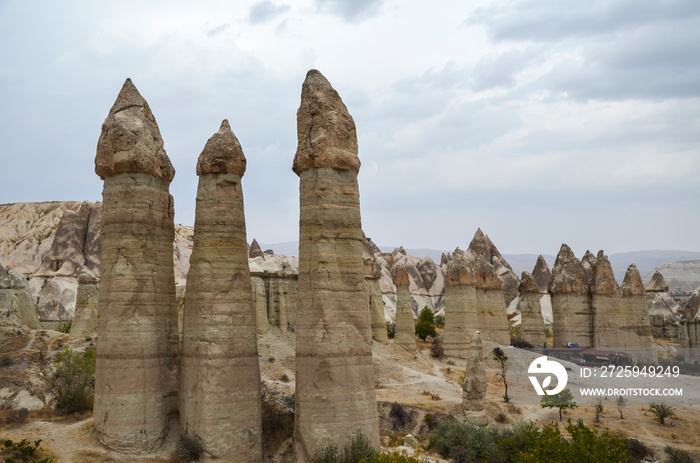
<point>571,308</point>
<point>137,338</point>
<point>334,373</point>
<point>609,322</point>
<point>491,312</point>
<point>531,324</point>
<point>634,305</point>
<point>460,307</point>
<point>375,301</point>
<point>405,330</point>
<point>220,379</point>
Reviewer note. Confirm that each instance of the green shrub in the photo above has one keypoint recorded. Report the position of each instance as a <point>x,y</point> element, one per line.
<point>479,442</point>
<point>74,380</point>
<point>390,330</point>
<point>189,448</point>
<point>359,449</point>
<point>65,327</point>
<point>676,455</point>
<point>662,411</point>
<point>391,458</point>
<point>22,451</point>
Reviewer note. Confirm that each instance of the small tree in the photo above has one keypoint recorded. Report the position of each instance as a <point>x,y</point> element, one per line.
<point>598,409</point>
<point>425,327</point>
<point>662,411</point>
<point>620,402</point>
<point>74,380</point>
<point>502,359</point>
<point>563,400</point>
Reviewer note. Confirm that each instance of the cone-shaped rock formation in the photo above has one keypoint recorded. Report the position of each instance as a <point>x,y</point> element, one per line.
<point>657,284</point>
<point>334,372</point>
<point>136,370</point>
<point>220,374</point>
<point>542,274</point>
<point>86,301</point>
<point>405,331</point>
<point>460,307</point>
<point>531,324</point>
<point>608,321</point>
<point>491,313</point>
<point>571,309</point>
<point>638,323</point>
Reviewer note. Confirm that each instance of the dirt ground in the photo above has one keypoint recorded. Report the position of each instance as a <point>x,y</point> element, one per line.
<point>428,386</point>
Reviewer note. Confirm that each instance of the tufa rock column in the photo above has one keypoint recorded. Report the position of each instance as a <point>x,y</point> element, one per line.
<point>571,308</point>
<point>492,317</point>
<point>475,384</point>
<point>86,302</point>
<point>405,330</point>
<point>137,348</point>
<point>334,373</point>
<point>460,306</point>
<point>634,306</point>
<point>531,324</point>
<point>220,374</point>
<point>374,300</point>
<point>609,322</point>
<point>16,302</point>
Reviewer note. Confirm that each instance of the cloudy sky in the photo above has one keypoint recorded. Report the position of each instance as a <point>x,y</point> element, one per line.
<point>541,122</point>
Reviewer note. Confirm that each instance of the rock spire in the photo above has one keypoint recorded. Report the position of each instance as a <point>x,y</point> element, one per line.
<point>542,274</point>
<point>334,373</point>
<point>492,319</point>
<point>405,331</point>
<point>531,324</point>
<point>137,349</point>
<point>571,310</point>
<point>460,306</point>
<point>220,374</point>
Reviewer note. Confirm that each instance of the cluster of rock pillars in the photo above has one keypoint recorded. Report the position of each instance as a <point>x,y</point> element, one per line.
<point>211,378</point>
<point>207,372</point>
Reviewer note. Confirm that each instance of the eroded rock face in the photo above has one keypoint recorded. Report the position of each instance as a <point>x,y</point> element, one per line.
<point>636,313</point>
<point>481,245</point>
<point>460,307</point>
<point>334,373</point>
<point>490,304</point>
<point>610,325</point>
<point>16,303</point>
<point>657,284</point>
<point>262,323</point>
<point>276,300</point>
<point>405,332</point>
<point>690,326</point>
<point>92,250</point>
<point>374,294</point>
<point>86,302</point>
<point>532,324</point>
<point>136,370</point>
<point>588,261</point>
<point>220,373</point>
<point>542,274</point>
<point>66,257</point>
<point>571,308</point>
<point>475,384</point>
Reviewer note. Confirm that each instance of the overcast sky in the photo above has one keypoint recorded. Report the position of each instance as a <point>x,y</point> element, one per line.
<point>542,122</point>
